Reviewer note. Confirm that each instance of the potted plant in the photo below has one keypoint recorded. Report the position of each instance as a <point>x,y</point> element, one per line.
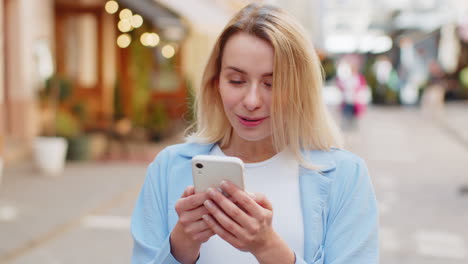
<point>79,143</point>
<point>50,148</point>
<point>157,122</point>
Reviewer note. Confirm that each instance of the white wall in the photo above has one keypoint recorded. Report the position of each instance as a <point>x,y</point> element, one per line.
<point>27,21</point>
<point>309,13</point>
<point>196,51</point>
<point>2,86</point>
<point>206,21</point>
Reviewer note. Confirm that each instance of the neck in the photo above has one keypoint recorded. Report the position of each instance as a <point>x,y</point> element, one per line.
<point>250,151</point>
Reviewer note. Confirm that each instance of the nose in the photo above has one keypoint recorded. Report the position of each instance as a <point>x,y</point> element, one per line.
<point>252,99</point>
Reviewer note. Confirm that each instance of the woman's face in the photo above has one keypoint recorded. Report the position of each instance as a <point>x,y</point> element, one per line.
<point>245,86</point>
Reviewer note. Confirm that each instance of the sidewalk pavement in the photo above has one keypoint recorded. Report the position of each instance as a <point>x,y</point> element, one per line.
<point>455,121</point>
<point>418,166</point>
<point>83,216</point>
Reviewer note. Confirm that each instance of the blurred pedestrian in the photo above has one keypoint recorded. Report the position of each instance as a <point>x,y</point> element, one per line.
<point>433,98</point>
<point>260,101</point>
<point>354,89</point>
<point>387,81</point>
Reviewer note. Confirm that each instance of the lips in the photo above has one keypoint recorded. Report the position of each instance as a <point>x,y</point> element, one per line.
<point>251,121</point>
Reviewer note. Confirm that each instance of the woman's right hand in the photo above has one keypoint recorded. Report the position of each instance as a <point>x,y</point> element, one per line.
<point>190,231</point>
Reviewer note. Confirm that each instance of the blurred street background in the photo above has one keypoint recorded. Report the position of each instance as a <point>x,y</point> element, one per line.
<point>92,90</point>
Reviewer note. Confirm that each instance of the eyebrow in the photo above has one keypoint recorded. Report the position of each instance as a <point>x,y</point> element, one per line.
<point>243,72</point>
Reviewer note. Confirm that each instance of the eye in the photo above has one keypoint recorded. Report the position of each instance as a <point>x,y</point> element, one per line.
<point>236,82</point>
<point>267,84</point>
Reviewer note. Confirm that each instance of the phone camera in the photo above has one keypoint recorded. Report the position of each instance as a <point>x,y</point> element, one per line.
<point>199,165</point>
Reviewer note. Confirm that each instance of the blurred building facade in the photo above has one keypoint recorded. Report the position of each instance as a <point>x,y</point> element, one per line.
<point>137,60</point>
<point>104,70</point>
<point>102,61</point>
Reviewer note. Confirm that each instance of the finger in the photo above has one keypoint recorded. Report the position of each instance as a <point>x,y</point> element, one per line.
<point>190,190</point>
<point>219,230</point>
<point>263,201</point>
<point>224,220</point>
<point>243,199</point>
<point>190,216</point>
<point>191,202</point>
<point>205,235</point>
<point>197,227</point>
<point>229,207</point>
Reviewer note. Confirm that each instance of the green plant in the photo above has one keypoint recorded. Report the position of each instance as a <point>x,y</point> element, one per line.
<point>158,120</point>
<point>66,125</point>
<point>56,86</point>
<point>118,102</point>
<point>140,67</point>
<point>55,92</point>
<point>464,77</point>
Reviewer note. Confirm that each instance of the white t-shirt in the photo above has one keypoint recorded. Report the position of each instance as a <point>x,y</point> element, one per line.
<point>278,179</point>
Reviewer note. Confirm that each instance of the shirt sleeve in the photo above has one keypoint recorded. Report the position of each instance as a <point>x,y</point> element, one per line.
<point>149,225</point>
<point>317,259</point>
<point>352,224</point>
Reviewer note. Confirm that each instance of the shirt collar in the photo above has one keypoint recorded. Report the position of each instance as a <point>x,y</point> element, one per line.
<point>321,158</point>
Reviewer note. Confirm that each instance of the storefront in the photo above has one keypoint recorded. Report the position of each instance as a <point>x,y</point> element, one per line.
<point>81,49</point>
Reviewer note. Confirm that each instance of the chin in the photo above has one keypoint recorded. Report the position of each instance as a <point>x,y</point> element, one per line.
<point>252,136</point>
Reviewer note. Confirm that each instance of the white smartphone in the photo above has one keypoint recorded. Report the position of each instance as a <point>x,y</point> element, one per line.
<point>209,171</point>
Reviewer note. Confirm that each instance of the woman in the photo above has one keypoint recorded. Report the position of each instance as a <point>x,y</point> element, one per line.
<point>260,100</point>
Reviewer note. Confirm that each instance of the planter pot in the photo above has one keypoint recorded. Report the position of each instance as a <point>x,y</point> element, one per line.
<point>49,155</point>
<point>79,148</point>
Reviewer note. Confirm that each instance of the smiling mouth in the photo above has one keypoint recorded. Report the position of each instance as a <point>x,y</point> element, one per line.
<point>251,119</point>
<point>251,122</point>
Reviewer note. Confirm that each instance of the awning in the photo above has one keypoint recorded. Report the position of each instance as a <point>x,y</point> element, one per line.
<point>169,22</point>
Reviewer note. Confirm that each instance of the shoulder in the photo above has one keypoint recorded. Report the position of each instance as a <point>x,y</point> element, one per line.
<point>176,149</point>
<point>332,159</point>
<point>171,157</point>
<point>340,165</point>
<point>183,150</point>
<point>349,166</point>
<point>350,173</point>
<point>341,156</point>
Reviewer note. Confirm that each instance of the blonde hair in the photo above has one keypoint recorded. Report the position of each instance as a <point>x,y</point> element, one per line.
<point>300,119</point>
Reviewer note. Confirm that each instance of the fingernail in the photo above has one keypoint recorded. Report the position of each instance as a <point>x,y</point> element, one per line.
<point>208,203</point>
<point>211,192</point>
<point>224,184</point>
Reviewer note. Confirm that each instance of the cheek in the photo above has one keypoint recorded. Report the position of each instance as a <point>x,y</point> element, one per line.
<point>268,101</point>
<point>228,98</point>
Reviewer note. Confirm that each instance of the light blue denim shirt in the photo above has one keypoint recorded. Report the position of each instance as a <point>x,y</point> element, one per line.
<point>338,205</point>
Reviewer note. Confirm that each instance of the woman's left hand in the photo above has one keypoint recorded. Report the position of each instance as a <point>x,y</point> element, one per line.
<point>245,221</point>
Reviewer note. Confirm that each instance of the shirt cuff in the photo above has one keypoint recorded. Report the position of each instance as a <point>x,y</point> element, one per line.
<point>165,256</point>
<point>317,259</point>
